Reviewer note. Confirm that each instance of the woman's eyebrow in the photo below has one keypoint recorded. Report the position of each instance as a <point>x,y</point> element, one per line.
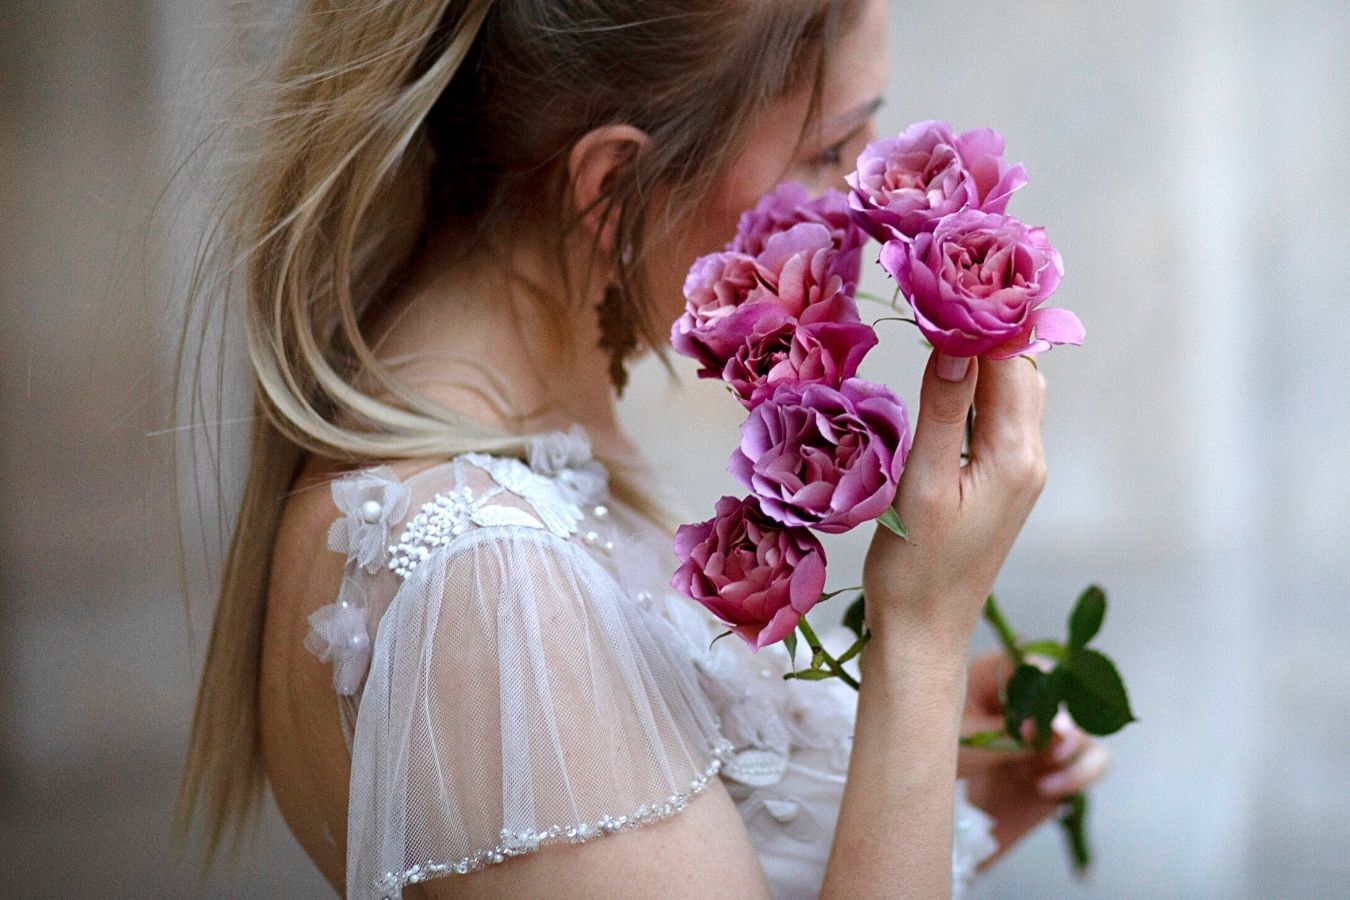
<point>856,115</point>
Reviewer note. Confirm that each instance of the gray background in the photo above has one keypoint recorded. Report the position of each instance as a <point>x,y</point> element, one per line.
<point>1187,159</point>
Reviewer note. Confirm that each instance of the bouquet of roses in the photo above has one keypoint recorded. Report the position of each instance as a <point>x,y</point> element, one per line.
<point>775,316</point>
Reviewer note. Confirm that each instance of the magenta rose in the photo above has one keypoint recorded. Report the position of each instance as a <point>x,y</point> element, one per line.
<point>795,270</point>
<point>902,185</point>
<point>748,570</point>
<point>791,204</point>
<point>825,347</point>
<point>975,284</point>
<point>824,457</point>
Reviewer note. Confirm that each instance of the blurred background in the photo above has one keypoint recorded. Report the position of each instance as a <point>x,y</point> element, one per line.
<point>1187,158</point>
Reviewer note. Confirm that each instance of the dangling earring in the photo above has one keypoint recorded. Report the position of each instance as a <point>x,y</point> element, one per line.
<point>618,337</point>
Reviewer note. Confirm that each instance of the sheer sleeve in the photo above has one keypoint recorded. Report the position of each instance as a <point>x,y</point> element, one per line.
<point>516,697</point>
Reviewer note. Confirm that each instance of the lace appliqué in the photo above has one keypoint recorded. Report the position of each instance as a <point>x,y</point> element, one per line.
<point>561,475</point>
<point>518,843</point>
<point>339,632</point>
<point>553,506</point>
<point>369,500</point>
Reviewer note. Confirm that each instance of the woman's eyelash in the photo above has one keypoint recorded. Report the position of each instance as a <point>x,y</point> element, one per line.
<point>831,156</point>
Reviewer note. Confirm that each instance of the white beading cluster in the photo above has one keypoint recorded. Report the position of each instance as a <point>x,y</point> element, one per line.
<point>445,516</point>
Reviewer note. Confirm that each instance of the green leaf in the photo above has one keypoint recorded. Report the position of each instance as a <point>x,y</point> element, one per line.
<point>1047,705</point>
<point>853,618</point>
<point>824,597</point>
<point>790,642</point>
<point>891,519</point>
<point>1086,619</point>
<point>817,659</point>
<point>810,674</point>
<point>1024,688</point>
<point>1095,693</point>
<point>993,740</point>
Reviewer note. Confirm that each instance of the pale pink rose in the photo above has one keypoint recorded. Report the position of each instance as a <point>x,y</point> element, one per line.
<point>976,283</point>
<point>824,347</point>
<point>795,270</point>
<point>903,185</point>
<point>824,458</point>
<point>748,570</point>
<point>791,204</point>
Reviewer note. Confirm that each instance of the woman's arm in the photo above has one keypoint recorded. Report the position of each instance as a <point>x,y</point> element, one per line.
<point>894,832</point>
<point>924,598</point>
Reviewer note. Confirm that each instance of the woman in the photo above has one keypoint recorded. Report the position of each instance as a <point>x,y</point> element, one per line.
<point>463,221</point>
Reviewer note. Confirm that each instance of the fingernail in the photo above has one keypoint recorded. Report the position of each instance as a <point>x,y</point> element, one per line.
<point>1067,745</point>
<point>1054,784</point>
<point>952,368</point>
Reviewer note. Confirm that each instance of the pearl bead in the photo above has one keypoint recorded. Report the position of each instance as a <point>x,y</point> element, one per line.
<point>371,511</point>
<point>601,512</point>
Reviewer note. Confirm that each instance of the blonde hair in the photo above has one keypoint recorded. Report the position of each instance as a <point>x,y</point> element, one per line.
<point>378,112</point>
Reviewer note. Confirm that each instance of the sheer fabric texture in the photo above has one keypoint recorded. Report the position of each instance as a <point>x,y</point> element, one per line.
<point>513,670</point>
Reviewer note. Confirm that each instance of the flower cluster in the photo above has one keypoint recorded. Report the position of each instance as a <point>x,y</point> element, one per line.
<point>775,317</point>
<point>975,277</point>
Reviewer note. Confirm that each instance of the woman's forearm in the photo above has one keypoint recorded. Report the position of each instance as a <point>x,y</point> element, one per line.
<point>894,837</point>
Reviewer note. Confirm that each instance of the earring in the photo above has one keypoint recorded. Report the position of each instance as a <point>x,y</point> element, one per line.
<point>618,336</point>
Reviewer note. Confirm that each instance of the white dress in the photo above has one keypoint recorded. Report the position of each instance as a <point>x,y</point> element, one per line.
<point>514,670</point>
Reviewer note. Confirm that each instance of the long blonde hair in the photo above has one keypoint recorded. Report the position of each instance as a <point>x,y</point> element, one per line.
<point>376,113</point>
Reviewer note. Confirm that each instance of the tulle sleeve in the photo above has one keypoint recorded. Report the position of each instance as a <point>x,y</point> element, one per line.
<point>516,697</point>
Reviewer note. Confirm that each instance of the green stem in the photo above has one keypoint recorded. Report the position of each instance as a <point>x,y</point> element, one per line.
<point>814,643</point>
<point>994,616</point>
<point>1075,831</point>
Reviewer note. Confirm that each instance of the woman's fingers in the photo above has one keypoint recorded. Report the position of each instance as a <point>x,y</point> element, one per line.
<point>1088,766</point>
<point>1009,406</point>
<point>940,429</point>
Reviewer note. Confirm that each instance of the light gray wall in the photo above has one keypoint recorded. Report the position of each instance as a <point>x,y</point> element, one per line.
<point>1186,158</point>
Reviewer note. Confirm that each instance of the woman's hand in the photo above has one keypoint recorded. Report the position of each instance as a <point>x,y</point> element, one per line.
<point>961,519</point>
<point>1022,788</point>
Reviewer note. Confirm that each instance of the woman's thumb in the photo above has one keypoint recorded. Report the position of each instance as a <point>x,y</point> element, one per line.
<point>944,400</point>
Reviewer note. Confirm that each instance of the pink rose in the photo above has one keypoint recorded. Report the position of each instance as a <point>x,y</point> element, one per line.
<point>825,458</point>
<point>825,347</point>
<point>795,270</point>
<point>902,185</point>
<point>975,283</point>
<point>748,570</point>
<point>791,204</point>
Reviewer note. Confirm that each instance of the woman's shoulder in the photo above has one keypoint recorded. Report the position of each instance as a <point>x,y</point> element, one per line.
<point>392,514</point>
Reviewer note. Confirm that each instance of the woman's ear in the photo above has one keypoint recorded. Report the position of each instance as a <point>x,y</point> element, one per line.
<point>591,167</point>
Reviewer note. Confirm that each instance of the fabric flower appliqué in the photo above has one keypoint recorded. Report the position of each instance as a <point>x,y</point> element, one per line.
<point>339,632</point>
<point>369,500</point>
<point>549,454</point>
<point>565,457</point>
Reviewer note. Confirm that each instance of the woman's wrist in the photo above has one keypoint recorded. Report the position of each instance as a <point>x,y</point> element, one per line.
<point>898,631</point>
<point>937,660</point>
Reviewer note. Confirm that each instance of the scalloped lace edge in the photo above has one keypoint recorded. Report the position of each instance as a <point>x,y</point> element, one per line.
<point>519,843</point>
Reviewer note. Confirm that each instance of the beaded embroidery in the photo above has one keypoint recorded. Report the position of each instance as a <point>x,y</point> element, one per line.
<point>518,843</point>
<point>450,513</point>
